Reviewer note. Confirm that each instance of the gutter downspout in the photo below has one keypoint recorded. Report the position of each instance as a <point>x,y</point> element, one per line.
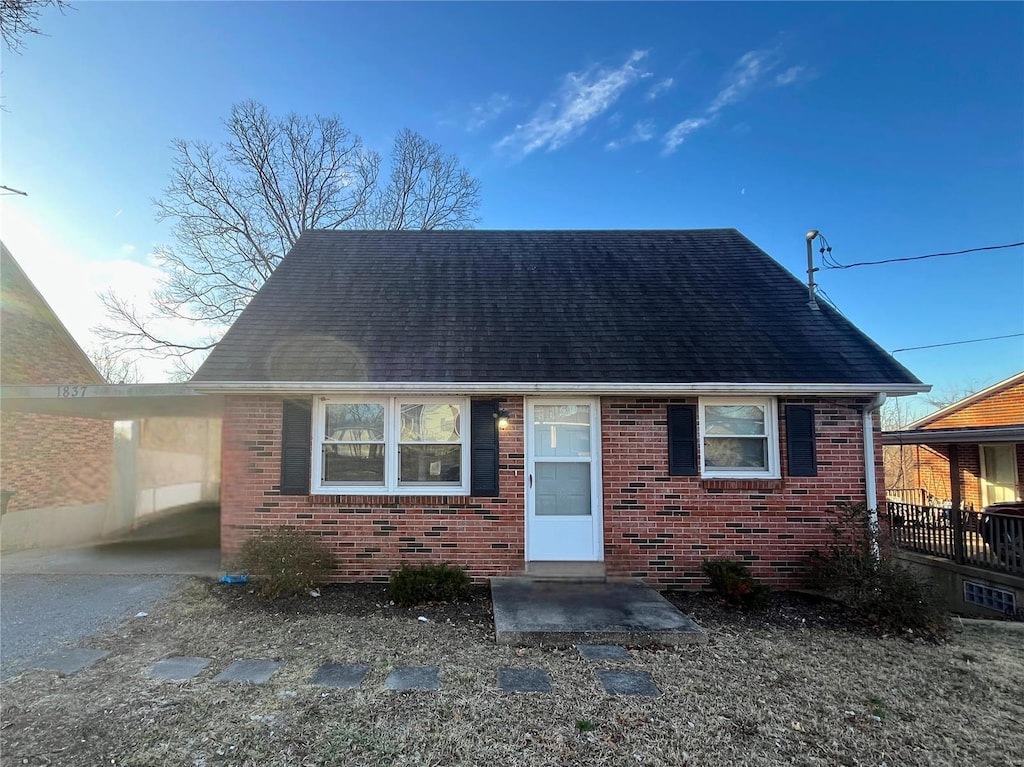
<point>870,485</point>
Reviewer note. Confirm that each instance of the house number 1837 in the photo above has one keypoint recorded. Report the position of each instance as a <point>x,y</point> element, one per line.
<point>71,391</point>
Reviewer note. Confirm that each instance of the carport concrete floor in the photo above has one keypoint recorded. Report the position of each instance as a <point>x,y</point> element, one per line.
<point>562,613</point>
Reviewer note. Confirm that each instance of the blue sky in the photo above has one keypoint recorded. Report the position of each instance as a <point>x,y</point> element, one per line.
<point>895,129</point>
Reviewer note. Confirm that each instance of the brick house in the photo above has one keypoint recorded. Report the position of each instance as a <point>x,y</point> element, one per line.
<point>623,402</point>
<point>986,433</point>
<point>56,470</point>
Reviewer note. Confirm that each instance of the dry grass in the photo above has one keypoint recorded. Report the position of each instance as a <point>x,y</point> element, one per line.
<point>756,694</point>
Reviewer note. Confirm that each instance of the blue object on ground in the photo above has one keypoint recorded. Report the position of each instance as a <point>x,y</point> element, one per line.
<point>229,578</point>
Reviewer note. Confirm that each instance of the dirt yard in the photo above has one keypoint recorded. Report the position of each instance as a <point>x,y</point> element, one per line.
<point>792,685</point>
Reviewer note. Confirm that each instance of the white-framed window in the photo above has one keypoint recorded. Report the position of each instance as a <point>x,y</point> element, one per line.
<point>739,438</point>
<point>999,481</point>
<point>391,445</point>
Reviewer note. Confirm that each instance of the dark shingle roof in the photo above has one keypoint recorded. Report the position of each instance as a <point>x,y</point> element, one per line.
<point>548,306</point>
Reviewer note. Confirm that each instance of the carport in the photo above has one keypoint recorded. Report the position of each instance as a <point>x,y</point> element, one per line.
<point>166,450</point>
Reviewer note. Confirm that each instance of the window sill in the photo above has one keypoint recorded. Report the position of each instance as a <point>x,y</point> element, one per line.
<point>741,483</point>
<point>389,499</point>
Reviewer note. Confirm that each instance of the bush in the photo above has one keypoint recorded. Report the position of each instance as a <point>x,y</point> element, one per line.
<point>285,561</point>
<point>731,580</point>
<point>430,582</point>
<point>875,589</point>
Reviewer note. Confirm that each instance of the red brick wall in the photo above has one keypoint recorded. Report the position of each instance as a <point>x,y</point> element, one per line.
<point>370,536</point>
<point>1001,408</point>
<point>656,527</point>
<point>660,528</point>
<point>932,470</point>
<point>48,460</point>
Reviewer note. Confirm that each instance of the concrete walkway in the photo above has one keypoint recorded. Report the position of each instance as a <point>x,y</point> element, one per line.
<point>563,613</point>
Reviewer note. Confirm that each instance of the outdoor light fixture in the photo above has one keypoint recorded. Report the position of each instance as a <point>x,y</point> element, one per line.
<point>502,419</point>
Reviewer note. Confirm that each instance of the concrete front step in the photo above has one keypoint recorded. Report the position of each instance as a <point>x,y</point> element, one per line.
<point>532,612</point>
<point>571,571</point>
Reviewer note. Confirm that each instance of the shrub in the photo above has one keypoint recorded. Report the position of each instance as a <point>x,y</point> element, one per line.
<point>431,582</point>
<point>875,589</point>
<point>731,580</point>
<point>285,561</point>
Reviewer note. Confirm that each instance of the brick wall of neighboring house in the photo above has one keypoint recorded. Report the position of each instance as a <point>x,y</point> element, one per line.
<point>1001,408</point>
<point>931,470</point>
<point>47,460</point>
<point>656,527</point>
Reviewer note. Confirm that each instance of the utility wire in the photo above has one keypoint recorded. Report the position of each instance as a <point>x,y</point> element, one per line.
<point>956,343</point>
<point>831,263</point>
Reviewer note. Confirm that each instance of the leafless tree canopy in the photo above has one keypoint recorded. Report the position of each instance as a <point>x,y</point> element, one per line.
<point>238,207</point>
<point>114,367</point>
<point>18,19</point>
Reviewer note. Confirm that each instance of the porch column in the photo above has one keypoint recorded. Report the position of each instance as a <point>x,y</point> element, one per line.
<point>955,518</point>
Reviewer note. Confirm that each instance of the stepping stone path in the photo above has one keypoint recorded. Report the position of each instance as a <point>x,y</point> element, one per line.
<point>178,668</point>
<point>627,683</point>
<point>252,671</point>
<point>70,660</point>
<point>603,652</point>
<point>524,680</point>
<point>413,678</point>
<point>348,676</point>
<point>344,676</point>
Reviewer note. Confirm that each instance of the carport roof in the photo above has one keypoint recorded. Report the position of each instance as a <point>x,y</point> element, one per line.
<point>111,402</point>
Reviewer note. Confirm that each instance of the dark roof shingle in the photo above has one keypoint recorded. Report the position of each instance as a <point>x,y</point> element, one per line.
<point>540,306</point>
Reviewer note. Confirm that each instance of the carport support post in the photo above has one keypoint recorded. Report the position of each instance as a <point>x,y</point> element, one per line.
<point>955,514</point>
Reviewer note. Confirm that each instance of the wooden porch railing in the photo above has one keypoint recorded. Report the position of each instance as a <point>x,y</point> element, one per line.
<point>991,541</point>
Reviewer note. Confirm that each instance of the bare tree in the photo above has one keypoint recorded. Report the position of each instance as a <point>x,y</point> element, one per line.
<point>113,366</point>
<point>238,207</point>
<point>18,20</point>
<point>427,189</point>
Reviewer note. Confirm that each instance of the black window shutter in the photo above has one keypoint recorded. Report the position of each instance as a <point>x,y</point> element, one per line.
<point>682,440</point>
<point>800,441</point>
<point>483,448</point>
<point>296,438</point>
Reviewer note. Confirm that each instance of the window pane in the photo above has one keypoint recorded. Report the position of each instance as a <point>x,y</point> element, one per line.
<point>999,480</point>
<point>430,463</point>
<point>563,489</point>
<point>431,423</point>
<point>354,464</point>
<point>362,422</point>
<point>561,430</point>
<point>736,453</point>
<point>739,420</point>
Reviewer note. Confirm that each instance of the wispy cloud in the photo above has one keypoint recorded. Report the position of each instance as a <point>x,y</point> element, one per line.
<point>677,135</point>
<point>642,131</point>
<point>747,73</point>
<point>791,75</point>
<point>483,114</point>
<point>658,88</point>
<point>582,97</point>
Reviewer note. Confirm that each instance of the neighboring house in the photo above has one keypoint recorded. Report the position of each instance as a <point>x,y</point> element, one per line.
<point>986,431</point>
<point>55,471</point>
<point>666,396</point>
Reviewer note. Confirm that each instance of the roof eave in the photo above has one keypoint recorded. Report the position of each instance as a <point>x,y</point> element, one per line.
<point>532,387</point>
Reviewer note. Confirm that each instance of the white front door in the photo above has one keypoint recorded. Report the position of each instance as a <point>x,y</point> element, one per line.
<point>563,480</point>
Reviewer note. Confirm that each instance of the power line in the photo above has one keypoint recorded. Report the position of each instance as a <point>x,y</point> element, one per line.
<point>956,343</point>
<point>831,263</point>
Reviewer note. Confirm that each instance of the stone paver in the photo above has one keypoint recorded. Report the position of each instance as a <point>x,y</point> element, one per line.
<point>524,680</point>
<point>69,660</point>
<point>413,678</point>
<point>344,676</point>
<point>250,670</point>
<point>178,667</point>
<point>603,652</point>
<point>627,683</point>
